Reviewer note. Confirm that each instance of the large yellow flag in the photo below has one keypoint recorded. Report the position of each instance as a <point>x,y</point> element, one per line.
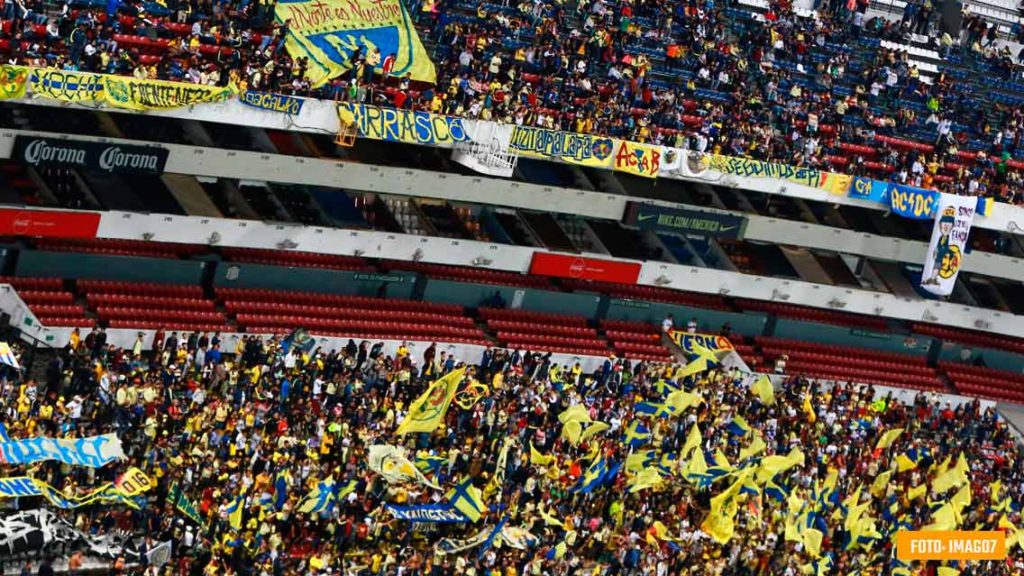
<point>812,541</point>
<point>947,571</point>
<point>696,367</point>
<point>540,459</point>
<point>764,390</point>
<point>808,409</point>
<point>952,478</point>
<point>594,428</point>
<point>880,484</point>
<point>427,412</point>
<point>574,413</point>
<point>681,400</point>
<point>943,519</point>
<point>755,448</point>
<point>888,438</point>
<point>693,440</point>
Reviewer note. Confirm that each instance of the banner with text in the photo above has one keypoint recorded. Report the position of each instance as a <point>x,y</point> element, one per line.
<point>67,85</point>
<point>688,342</point>
<point>441,513</point>
<point>48,223</point>
<point>638,159</point>
<point>135,94</point>
<point>569,147</point>
<point>683,221</point>
<point>393,125</point>
<point>13,81</point>
<point>92,156</point>
<point>330,32</point>
<point>748,168</point>
<point>583,268</point>
<point>953,216</point>
<point>272,102</point>
<point>131,484</point>
<point>862,188</point>
<point>914,203</point>
<point>94,451</point>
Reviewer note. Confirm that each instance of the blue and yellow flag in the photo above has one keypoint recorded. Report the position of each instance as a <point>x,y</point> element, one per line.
<point>427,412</point>
<point>329,32</point>
<point>467,499</point>
<point>235,511</point>
<point>636,434</point>
<point>656,409</point>
<point>738,426</point>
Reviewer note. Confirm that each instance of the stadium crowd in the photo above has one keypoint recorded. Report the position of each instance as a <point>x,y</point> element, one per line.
<point>270,425</point>
<point>698,75</point>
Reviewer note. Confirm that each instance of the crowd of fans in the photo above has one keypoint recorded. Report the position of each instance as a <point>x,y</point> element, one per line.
<point>254,420</point>
<point>696,74</point>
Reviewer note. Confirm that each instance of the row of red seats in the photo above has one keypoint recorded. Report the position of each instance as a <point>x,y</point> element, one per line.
<point>191,326</point>
<point>630,326</point>
<point>640,292</point>
<point>514,326</point>
<point>118,246</point>
<point>46,297</point>
<point>131,300</point>
<point>140,288</point>
<point>77,321</point>
<point>815,314</point>
<point>843,351</point>
<point>315,322</point>
<point>964,382</point>
<point>289,258</point>
<point>269,295</point>
<point>160,46</point>
<point>371,335</point>
<point>544,340</point>
<point>990,373</point>
<point>867,362</point>
<point>562,348</point>
<point>464,273</point>
<point>640,337</point>
<point>536,318</point>
<point>852,374</point>
<point>158,314</point>
<point>244,307</point>
<point>632,348</point>
<point>971,337</point>
<point>30,283</point>
<point>70,310</point>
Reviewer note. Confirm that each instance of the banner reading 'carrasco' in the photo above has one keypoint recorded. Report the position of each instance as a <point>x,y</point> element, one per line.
<point>94,156</point>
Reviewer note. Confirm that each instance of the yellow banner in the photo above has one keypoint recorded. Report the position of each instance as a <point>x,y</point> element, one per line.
<point>748,168</point>
<point>13,80</point>
<point>689,342</point>
<point>637,159</point>
<point>329,32</point>
<point>67,85</point>
<point>133,94</point>
<point>582,149</point>
<point>424,128</point>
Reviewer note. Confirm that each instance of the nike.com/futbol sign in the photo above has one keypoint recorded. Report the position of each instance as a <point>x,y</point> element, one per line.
<point>682,221</point>
<point>93,156</point>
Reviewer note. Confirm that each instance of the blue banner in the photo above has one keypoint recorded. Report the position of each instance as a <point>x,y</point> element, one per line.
<point>441,513</point>
<point>914,203</point>
<point>95,451</point>
<point>869,189</point>
<point>273,102</point>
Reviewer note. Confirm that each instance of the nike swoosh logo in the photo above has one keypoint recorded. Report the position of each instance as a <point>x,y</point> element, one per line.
<point>645,217</point>
<point>727,228</point>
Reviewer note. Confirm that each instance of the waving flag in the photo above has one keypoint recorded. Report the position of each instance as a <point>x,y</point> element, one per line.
<point>7,356</point>
<point>636,434</point>
<point>888,438</point>
<point>320,498</point>
<point>467,499</point>
<point>656,409</point>
<point>764,390</point>
<point>738,426</point>
<point>427,412</point>
<point>693,440</point>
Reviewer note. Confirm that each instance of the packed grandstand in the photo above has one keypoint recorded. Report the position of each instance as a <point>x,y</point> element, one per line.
<point>365,287</point>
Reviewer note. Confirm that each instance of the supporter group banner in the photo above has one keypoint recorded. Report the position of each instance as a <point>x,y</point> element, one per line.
<point>953,217</point>
<point>683,221</point>
<point>48,223</point>
<point>94,451</point>
<point>135,94</point>
<point>272,102</point>
<point>13,81</point>
<point>88,155</point>
<point>637,159</point>
<point>67,85</point>
<point>440,513</point>
<point>581,267</point>
<point>914,203</point>
<point>329,32</point>
<point>869,189</point>
<point>407,126</point>
<point>569,147</point>
<point>689,342</point>
<point>133,483</point>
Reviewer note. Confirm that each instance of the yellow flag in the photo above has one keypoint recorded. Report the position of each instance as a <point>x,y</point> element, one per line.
<point>904,463</point>
<point>427,412</point>
<point>812,417</point>
<point>764,390</point>
<point>961,499</point>
<point>888,438</point>
<point>697,465</point>
<point>947,571</point>
<point>594,428</point>
<point>721,460</point>
<point>943,519</point>
<point>952,478</point>
<point>696,367</point>
<point>881,483</point>
<point>572,431</point>
<point>755,448</point>
<point>681,400</point>
<point>917,491</point>
<point>539,459</point>
<point>693,440</point>
<point>647,478</point>
<point>574,413</point>
<point>548,518</point>
<point>720,522</point>
<point>812,541</point>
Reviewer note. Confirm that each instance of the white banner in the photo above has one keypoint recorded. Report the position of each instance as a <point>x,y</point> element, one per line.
<point>488,149</point>
<point>949,238</point>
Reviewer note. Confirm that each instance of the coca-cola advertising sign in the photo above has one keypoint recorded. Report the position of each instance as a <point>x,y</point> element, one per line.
<point>93,156</point>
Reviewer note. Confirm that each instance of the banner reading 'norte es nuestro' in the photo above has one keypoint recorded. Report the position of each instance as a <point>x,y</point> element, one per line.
<point>329,32</point>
